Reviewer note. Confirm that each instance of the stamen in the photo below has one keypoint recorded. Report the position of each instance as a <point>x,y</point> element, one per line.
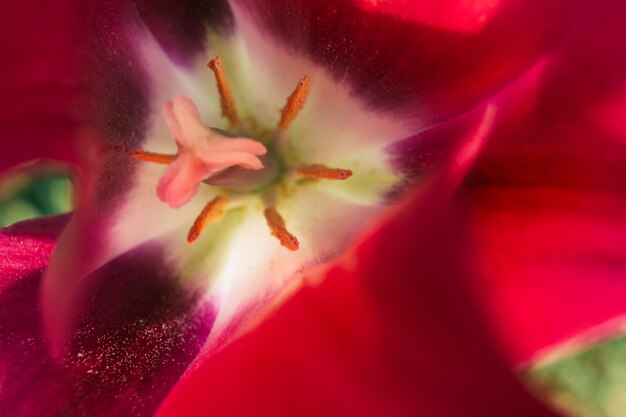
<point>279,231</point>
<point>211,213</point>
<point>295,102</point>
<point>322,172</point>
<point>229,110</point>
<point>157,158</point>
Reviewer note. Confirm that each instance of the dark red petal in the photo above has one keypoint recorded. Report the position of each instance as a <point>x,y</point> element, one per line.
<point>40,84</point>
<point>137,336</point>
<point>405,65</point>
<point>389,331</point>
<point>589,68</point>
<point>548,196</point>
<point>549,220</point>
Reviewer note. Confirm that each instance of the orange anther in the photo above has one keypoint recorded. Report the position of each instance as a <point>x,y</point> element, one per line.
<point>279,231</point>
<point>211,213</point>
<point>295,102</point>
<point>229,110</point>
<point>153,157</point>
<point>323,172</point>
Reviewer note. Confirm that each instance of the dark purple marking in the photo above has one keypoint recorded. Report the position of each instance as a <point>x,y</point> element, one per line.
<point>180,26</point>
<point>118,99</point>
<point>417,156</point>
<point>137,335</point>
<point>417,71</point>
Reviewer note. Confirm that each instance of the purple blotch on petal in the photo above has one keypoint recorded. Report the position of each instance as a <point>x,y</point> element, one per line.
<point>180,26</point>
<point>137,335</point>
<point>120,89</point>
<point>118,99</point>
<point>416,156</point>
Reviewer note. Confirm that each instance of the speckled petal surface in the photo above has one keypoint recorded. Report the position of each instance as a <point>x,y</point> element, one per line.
<point>135,338</point>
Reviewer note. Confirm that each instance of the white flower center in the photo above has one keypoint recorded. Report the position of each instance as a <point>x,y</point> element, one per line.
<point>218,158</point>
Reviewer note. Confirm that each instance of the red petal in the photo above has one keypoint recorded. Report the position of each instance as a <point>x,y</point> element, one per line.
<point>392,331</point>
<point>548,196</point>
<point>549,219</point>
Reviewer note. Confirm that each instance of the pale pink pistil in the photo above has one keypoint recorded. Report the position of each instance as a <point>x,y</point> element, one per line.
<point>202,153</point>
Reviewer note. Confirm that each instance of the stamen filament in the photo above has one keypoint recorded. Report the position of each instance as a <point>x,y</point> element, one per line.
<point>322,172</point>
<point>157,158</point>
<point>279,231</point>
<point>212,212</point>
<point>229,110</point>
<point>295,102</point>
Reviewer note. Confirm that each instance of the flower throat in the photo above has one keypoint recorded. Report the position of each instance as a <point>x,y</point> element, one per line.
<point>233,164</point>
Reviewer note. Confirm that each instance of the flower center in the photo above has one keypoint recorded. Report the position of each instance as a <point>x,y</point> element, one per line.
<point>234,164</point>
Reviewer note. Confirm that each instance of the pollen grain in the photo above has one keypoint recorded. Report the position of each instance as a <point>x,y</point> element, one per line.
<point>295,102</point>
<point>212,212</point>
<point>229,110</point>
<point>279,231</point>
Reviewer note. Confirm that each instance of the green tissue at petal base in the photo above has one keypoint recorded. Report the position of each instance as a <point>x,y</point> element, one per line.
<point>25,196</point>
<point>591,383</point>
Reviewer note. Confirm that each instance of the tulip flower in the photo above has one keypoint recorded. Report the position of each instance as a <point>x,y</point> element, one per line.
<point>312,208</point>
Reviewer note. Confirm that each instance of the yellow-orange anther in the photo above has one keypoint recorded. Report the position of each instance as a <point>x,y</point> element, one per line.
<point>229,110</point>
<point>279,231</point>
<point>211,213</point>
<point>157,158</point>
<point>323,172</point>
<point>295,102</point>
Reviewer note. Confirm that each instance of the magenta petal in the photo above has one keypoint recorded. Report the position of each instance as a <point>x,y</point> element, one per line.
<point>40,84</point>
<point>452,15</point>
<point>137,336</point>
<point>25,247</point>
